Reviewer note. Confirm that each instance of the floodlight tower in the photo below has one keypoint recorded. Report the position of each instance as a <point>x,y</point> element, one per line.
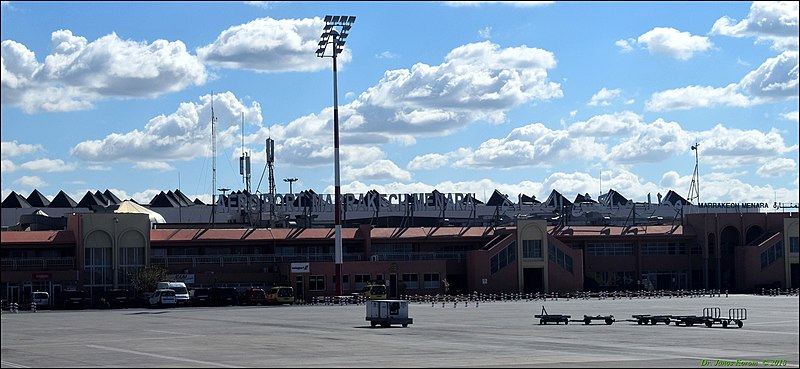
<point>694,188</point>
<point>330,36</point>
<point>290,180</point>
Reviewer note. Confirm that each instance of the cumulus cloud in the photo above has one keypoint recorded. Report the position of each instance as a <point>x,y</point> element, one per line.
<point>428,161</point>
<point>48,165</point>
<point>270,45</point>
<point>78,73</point>
<point>606,125</point>
<point>776,78</point>
<point>154,165</point>
<point>692,97</point>
<point>771,22</point>
<point>7,166</point>
<point>12,148</point>
<point>777,168</point>
<point>379,170</point>
<point>790,116</point>
<point>30,182</point>
<point>604,97</point>
<point>182,135</point>
<point>669,42</point>
<point>730,147</point>
<point>650,143</point>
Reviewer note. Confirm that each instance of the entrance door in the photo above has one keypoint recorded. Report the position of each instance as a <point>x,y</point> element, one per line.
<point>393,285</point>
<point>533,280</point>
<point>13,293</point>
<point>298,287</point>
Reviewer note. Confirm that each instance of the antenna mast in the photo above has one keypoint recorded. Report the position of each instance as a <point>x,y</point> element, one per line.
<point>244,162</point>
<point>694,188</point>
<point>214,163</point>
<point>270,162</point>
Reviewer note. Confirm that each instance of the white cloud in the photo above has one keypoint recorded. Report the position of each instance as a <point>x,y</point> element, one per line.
<point>673,43</point>
<point>650,143</point>
<point>692,97</point>
<point>182,135</point>
<point>378,170</point>
<point>270,45</point>
<point>773,22</point>
<point>30,182</point>
<point>776,78</point>
<point>79,73</point>
<point>154,165</point>
<point>12,148</point>
<point>428,162</point>
<point>625,45</point>
<point>386,55</point>
<point>606,125</point>
<point>723,147</point>
<point>604,97</point>
<point>7,166</point>
<point>777,168</point>
<point>790,116</point>
<point>485,33</point>
<point>48,165</point>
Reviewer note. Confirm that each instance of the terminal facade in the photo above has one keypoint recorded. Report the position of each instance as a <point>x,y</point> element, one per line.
<point>417,244</point>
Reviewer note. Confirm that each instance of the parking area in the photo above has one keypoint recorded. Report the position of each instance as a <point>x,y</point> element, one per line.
<point>490,334</point>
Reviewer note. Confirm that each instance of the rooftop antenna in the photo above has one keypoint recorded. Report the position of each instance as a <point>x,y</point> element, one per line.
<point>270,162</point>
<point>214,163</point>
<point>244,162</point>
<point>694,188</point>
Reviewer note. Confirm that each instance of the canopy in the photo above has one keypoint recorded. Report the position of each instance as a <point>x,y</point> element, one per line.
<point>129,206</point>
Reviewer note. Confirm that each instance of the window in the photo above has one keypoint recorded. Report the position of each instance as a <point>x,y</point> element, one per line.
<point>532,249</point>
<point>411,281</point>
<point>316,283</point>
<point>505,257</point>
<point>794,244</point>
<point>555,255</point>
<point>610,249</point>
<point>663,248</point>
<point>431,280</point>
<point>361,281</point>
<point>772,254</point>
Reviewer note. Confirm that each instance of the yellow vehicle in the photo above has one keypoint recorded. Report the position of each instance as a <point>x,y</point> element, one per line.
<point>280,295</point>
<point>374,291</point>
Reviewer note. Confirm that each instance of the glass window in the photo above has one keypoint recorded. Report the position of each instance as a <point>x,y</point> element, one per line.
<point>316,283</point>
<point>532,249</point>
<point>411,281</point>
<point>431,280</point>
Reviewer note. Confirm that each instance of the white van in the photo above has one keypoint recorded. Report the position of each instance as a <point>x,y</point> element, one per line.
<point>181,292</point>
<point>162,297</point>
<point>41,299</point>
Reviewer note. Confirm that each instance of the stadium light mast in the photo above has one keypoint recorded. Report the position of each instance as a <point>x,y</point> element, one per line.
<point>290,180</point>
<point>336,38</point>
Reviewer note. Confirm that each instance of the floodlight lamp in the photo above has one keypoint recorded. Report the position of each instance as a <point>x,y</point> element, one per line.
<point>320,51</point>
<point>351,19</point>
<point>346,28</point>
<point>327,18</point>
<point>327,27</point>
<point>335,19</point>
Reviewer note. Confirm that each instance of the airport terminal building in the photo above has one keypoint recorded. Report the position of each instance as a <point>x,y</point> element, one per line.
<point>430,243</point>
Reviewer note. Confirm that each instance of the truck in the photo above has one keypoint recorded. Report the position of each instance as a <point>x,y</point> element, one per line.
<point>388,312</point>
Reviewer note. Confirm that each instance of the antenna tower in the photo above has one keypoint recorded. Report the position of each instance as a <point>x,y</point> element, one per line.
<point>244,162</point>
<point>270,162</point>
<point>214,163</point>
<point>694,188</point>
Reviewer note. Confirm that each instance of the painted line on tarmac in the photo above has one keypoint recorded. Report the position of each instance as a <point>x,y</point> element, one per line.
<point>204,363</point>
<point>176,333</point>
<point>4,364</point>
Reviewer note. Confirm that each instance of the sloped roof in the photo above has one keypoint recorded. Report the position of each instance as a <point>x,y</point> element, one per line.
<point>15,200</point>
<point>525,199</point>
<point>183,199</point>
<point>36,199</point>
<point>584,198</point>
<point>198,202</point>
<point>498,199</point>
<point>556,199</point>
<point>163,201</point>
<point>90,199</point>
<point>132,207</point>
<point>110,195</point>
<point>613,198</point>
<point>673,198</point>
<point>62,200</point>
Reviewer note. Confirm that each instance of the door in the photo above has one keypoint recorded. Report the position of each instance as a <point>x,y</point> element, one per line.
<point>13,293</point>
<point>393,285</point>
<point>301,292</point>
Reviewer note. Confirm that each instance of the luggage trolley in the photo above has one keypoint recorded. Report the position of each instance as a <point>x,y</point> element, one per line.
<point>608,319</point>
<point>651,319</point>
<point>545,318</point>
<point>735,315</point>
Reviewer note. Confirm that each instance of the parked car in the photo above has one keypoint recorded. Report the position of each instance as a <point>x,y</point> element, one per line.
<point>181,292</point>
<point>116,298</point>
<point>200,297</point>
<point>280,295</point>
<point>253,296</point>
<point>163,297</point>
<point>72,299</point>
<point>221,296</point>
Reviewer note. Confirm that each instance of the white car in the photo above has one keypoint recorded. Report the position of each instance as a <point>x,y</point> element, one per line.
<point>42,299</point>
<point>163,297</point>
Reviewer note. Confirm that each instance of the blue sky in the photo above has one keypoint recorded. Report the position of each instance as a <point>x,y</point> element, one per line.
<point>523,97</point>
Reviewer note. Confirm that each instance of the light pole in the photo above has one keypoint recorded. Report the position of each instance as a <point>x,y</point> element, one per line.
<point>290,180</point>
<point>336,38</point>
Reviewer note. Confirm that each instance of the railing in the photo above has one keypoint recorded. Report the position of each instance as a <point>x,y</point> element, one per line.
<point>38,263</point>
<point>404,256</point>
<point>221,260</point>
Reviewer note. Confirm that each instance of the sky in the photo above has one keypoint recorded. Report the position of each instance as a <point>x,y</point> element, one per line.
<point>458,97</point>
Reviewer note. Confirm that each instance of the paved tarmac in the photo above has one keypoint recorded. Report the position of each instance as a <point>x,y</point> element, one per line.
<point>492,334</point>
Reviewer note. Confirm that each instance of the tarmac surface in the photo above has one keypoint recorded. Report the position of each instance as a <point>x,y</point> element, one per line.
<point>492,334</point>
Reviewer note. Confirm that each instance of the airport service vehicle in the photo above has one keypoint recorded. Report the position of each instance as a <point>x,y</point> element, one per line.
<point>72,299</point>
<point>163,297</point>
<point>374,291</point>
<point>545,318</point>
<point>280,295</point>
<point>41,299</point>
<point>253,296</point>
<point>388,312</point>
<point>181,292</point>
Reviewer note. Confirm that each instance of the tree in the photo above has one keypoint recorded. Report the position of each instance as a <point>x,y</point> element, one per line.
<point>145,279</point>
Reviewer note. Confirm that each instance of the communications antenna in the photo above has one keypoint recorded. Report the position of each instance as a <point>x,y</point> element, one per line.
<point>244,162</point>
<point>270,162</point>
<point>694,188</point>
<point>213,163</point>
